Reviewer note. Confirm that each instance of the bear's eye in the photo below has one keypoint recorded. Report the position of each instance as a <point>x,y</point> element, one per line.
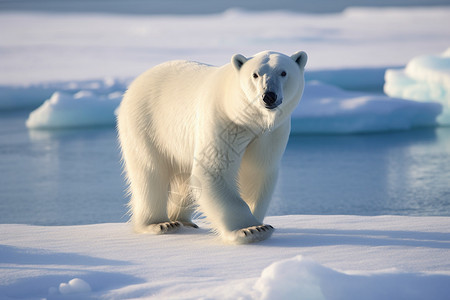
<point>283,74</point>
<point>255,75</point>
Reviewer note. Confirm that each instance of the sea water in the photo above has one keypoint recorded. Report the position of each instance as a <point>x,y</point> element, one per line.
<point>69,177</point>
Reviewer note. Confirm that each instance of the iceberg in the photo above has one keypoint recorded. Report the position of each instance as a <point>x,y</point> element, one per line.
<point>326,109</point>
<point>425,78</point>
<point>83,109</point>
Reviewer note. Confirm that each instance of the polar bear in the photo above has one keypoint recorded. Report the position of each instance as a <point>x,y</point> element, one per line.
<point>199,137</point>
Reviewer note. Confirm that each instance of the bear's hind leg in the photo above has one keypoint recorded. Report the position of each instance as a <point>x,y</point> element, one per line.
<point>148,203</point>
<point>182,196</point>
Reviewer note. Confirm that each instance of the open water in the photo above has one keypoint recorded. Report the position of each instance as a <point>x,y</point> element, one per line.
<point>69,177</point>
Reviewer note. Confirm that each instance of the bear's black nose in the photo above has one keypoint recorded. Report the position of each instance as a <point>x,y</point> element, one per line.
<point>269,98</point>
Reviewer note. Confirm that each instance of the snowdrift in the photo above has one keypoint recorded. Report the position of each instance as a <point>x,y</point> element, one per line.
<point>425,78</point>
<point>308,257</point>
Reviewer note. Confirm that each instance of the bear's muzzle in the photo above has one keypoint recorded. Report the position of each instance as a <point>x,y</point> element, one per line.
<point>270,100</point>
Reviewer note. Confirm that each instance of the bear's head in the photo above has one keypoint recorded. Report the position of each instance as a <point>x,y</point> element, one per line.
<point>271,82</point>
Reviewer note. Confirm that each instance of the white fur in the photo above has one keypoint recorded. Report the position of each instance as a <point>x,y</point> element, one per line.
<point>197,135</point>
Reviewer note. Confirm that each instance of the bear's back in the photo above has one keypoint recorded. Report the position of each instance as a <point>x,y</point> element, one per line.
<point>162,104</point>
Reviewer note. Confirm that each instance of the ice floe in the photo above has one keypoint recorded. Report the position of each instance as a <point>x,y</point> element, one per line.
<point>84,109</point>
<point>425,78</point>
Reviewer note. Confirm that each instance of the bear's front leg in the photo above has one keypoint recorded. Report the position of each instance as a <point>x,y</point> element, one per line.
<point>259,169</point>
<point>220,201</point>
<point>230,216</point>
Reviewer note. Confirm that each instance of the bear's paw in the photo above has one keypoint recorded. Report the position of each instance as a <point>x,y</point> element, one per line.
<point>251,234</point>
<point>162,228</point>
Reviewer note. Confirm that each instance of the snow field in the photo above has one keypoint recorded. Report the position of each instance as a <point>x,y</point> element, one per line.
<point>49,47</point>
<point>318,257</point>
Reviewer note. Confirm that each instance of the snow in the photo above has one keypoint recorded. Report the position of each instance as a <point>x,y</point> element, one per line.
<point>425,78</point>
<point>303,278</point>
<point>49,47</point>
<point>74,286</point>
<point>318,257</point>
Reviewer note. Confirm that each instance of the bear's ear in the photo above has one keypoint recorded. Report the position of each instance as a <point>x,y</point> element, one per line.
<point>300,58</point>
<point>238,60</point>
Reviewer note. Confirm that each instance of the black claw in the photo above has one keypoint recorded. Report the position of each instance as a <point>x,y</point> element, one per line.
<point>245,232</point>
<point>257,228</point>
<point>177,224</point>
<point>270,226</point>
<point>161,227</point>
<point>263,228</point>
<point>251,231</point>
